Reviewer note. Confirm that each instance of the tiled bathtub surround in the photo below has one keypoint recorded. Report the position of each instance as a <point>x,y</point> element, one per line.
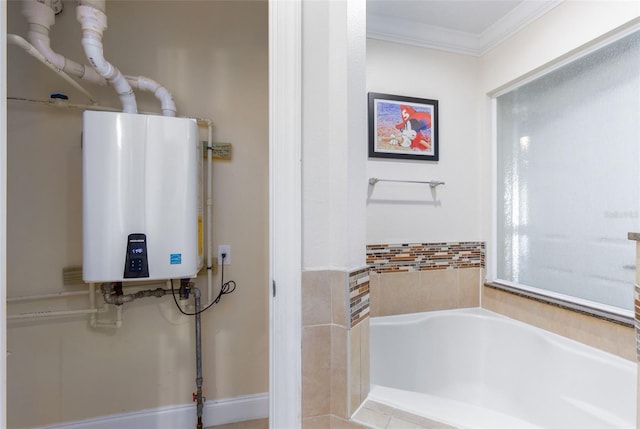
<point>596,332</point>
<point>385,258</point>
<point>417,291</point>
<point>324,345</point>
<point>414,277</point>
<point>635,236</point>
<point>335,354</point>
<point>358,337</point>
<point>637,319</point>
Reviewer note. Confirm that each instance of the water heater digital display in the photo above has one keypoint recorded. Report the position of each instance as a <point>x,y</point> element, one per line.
<point>136,265</point>
<point>141,198</point>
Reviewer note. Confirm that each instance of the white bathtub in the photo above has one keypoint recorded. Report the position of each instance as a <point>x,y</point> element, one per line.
<point>476,369</point>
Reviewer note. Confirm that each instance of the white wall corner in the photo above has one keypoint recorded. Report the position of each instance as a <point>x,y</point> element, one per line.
<point>334,133</point>
<point>285,214</point>
<point>357,133</point>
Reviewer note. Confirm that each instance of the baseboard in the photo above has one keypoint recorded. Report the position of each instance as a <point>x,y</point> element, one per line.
<point>216,412</point>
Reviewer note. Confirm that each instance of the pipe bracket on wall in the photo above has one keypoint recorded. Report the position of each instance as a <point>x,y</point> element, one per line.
<point>432,183</point>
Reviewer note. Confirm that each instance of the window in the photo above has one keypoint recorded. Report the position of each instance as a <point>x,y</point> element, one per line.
<point>568,179</point>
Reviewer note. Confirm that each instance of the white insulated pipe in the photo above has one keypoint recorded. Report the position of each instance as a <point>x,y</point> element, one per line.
<point>209,214</point>
<point>57,295</point>
<point>41,18</point>
<point>50,313</point>
<point>31,50</point>
<point>161,93</point>
<point>91,16</point>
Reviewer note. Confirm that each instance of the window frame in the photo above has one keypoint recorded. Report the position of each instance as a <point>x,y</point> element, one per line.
<point>616,314</point>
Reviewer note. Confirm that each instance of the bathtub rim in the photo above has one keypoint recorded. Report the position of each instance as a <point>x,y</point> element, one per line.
<point>389,396</point>
<point>560,340</point>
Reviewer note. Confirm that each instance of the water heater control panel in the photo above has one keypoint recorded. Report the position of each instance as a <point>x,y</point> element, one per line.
<point>136,264</point>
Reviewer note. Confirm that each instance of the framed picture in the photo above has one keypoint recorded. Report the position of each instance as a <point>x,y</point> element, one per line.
<point>403,127</point>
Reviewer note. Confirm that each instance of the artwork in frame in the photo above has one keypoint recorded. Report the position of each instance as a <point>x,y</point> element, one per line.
<point>403,127</point>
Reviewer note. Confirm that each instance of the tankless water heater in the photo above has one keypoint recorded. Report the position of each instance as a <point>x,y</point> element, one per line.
<point>141,200</point>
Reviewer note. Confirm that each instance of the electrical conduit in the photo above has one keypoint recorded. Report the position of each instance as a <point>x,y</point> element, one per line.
<point>91,16</point>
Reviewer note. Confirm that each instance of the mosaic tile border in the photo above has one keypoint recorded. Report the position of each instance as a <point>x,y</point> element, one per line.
<point>637,321</point>
<point>387,258</point>
<point>358,295</point>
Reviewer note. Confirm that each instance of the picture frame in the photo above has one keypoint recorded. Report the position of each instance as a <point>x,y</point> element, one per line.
<point>403,127</point>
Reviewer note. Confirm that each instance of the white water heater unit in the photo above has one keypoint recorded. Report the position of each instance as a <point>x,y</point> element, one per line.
<point>142,208</point>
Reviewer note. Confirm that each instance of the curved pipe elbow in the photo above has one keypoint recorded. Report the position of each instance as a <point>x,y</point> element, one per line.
<point>166,99</point>
<point>90,14</point>
<point>40,41</point>
<point>42,44</point>
<point>93,49</point>
<point>168,106</point>
<point>40,19</point>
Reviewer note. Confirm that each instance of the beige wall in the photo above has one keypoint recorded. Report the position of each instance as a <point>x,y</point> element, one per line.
<point>213,57</point>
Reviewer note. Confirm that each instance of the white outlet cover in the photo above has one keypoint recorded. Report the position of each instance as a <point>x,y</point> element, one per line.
<point>226,249</point>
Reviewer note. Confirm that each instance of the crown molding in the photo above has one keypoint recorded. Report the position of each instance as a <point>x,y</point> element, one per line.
<point>411,32</point>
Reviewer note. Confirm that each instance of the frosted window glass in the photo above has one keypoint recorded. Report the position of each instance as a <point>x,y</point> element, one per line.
<point>569,177</point>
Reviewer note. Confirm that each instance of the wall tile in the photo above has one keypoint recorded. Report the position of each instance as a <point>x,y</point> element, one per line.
<point>469,281</point>
<point>365,359</point>
<point>316,298</point>
<point>374,294</point>
<point>316,374</point>
<point>636,305</point>
<point>450,275</point>
<point>638,262</point>
<point>339,371</point>
<point>355,367</point>
<point>339,298</point>
<point>383,258</point>
<point>439,289</point>
<point>359,295</point>
<point>399,293</point>
<point>608,336</point>
<point>331,300</point>
<point>637,301</point>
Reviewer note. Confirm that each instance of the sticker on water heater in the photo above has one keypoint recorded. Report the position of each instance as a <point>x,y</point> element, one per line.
<point>175,258</point>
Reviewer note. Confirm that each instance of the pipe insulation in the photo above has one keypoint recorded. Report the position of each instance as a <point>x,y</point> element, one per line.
<point>94,22</point>
<point>41,18</point>
<point>31,50</point>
